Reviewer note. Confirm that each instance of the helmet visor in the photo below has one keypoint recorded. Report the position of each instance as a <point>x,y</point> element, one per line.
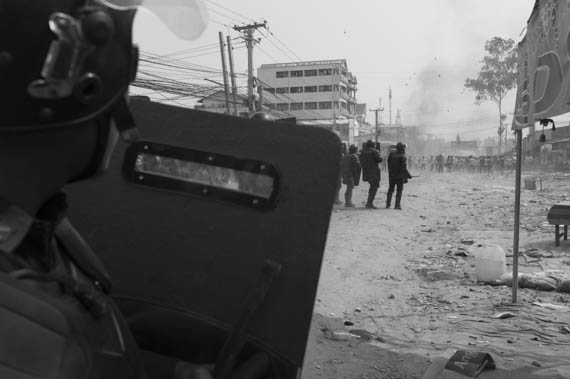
<point>185,18</point>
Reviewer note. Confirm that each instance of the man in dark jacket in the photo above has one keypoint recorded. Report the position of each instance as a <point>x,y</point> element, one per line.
<point>369,159</point>
<point>350,172</point>
<point>398,173</point>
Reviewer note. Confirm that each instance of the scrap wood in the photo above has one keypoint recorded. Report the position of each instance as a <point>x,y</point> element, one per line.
<point>554,307</point>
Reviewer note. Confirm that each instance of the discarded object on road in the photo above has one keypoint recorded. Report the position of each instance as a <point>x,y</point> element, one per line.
<point>554,307</point>
<point>470,363</point>
<point>503,315</point>
<point>490,263</point>
<point>339,335</point>
<point>549,280</point>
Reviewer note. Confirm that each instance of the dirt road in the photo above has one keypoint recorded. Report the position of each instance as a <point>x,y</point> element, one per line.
<point>398,288</point>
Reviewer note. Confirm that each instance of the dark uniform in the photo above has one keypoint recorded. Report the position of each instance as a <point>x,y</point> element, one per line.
<point>369,159</point>
<point>56,317</point>
<point>65,68</point>
<point>350,172</point>
<point>398,175</point>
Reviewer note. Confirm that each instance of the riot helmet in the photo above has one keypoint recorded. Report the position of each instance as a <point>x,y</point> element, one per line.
<point>64,63</point>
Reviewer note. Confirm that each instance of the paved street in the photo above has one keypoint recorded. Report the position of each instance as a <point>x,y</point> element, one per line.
<point>407,278</point>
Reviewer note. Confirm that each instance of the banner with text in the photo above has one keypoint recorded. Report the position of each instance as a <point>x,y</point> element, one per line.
<point>544,64</point>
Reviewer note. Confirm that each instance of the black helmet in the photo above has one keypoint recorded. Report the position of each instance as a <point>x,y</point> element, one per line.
<point>63,62</point>
<point>400,146</point>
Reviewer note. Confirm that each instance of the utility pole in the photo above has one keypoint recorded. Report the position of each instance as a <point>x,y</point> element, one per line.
<point>232,74</point>
<point>390,98</point>
<point>225,73</point>
<point>376,131</point>
<point>250,42</point>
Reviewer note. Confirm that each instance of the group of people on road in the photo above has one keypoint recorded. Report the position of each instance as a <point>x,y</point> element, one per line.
<point>484,164</point>
<point>367,163</point>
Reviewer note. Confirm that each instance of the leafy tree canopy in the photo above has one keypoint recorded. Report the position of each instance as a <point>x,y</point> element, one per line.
<point>498,73</point>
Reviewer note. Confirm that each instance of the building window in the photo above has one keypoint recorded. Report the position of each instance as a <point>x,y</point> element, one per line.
<point>282,90</point>
<point>310,72</point>
<point>335,104</point>
<point>343,104</point>
<point>335,71</point>
<point>325,71</point>
<point>335,87</point>
<point>311,89</point>
<point>282,74</point>
<point>296,90</point>
<point>343,88</point>
<point>326,88</point>
<point>297,74</point>
<point>296,106</point>
<point>270,90</point>
<point>282,107</point>
<point>270,106</point>
<point>311,105</point>
<point>325,105</point>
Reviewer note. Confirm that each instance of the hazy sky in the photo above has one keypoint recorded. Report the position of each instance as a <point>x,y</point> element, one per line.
<point>423,49</point>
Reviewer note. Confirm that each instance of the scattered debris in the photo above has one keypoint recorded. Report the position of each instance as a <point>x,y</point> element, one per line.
<point>549,280</point>
<point>550,306</point>
<point>339,335</point>
<point>504,315</point>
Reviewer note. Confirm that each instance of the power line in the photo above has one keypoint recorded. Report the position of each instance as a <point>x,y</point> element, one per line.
<point>287,47</point>
<point>229,10</point>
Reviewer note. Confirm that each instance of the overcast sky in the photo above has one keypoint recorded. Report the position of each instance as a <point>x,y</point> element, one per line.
<point>423,49</point>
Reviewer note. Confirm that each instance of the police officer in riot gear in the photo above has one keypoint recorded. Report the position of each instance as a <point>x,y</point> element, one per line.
<point>398,175</point>
<point>65,67</point>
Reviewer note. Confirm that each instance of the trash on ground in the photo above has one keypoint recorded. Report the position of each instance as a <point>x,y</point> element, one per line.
<point>549,280</point>
<point>503,315</point>
<point>554,307</point>
<point>470,363</point>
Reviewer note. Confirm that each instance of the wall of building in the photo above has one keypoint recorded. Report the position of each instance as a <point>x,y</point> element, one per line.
<point>309,90</point>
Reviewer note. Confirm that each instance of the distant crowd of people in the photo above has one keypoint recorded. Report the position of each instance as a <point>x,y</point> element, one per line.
<point>484,164</point>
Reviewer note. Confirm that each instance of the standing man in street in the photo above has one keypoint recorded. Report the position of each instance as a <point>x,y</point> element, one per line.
<point>350,173</point>
<point>369,159</point>
<point>398,174</point>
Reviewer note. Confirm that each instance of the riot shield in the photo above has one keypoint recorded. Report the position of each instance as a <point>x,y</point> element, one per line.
<point>213,229</point>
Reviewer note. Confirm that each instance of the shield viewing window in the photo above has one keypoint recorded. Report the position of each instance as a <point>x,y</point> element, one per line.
<point>205,174</point>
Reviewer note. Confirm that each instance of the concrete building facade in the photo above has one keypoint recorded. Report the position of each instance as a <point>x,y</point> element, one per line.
<point>314,90</point>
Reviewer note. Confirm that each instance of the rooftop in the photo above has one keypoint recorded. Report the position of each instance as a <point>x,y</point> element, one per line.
<point>307,63</point>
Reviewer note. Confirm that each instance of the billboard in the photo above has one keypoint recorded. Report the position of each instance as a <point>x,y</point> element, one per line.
<point>544,64</point>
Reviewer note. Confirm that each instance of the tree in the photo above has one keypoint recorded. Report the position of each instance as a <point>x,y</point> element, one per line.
<point>497,76</point>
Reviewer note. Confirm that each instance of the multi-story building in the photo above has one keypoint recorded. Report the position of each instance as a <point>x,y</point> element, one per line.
<point>316,90</point>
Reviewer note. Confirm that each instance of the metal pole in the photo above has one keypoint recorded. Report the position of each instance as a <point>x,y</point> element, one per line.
<point>225,73</point>
<point>250,99</point>
<point>517,216</point>
<point>376,128</point>
<point>232,74</point>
